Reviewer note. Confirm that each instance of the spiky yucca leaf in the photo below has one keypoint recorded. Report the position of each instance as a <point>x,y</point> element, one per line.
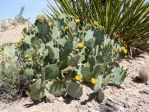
<point>126,20</point>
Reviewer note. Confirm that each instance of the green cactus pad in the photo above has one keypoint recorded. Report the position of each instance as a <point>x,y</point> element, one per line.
<point>75,90</point>
<point>57,88</point>
<point>118,75</point>
<point>29,72</point>
<point>100,95</point>
<point>98,85</point>
<point>36,90</point>
<point>51,71</point>
<point>86,74</point>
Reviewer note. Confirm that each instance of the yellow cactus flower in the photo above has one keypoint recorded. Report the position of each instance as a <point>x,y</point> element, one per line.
<point>66,28</point>
<point>49,23</point>
<point>26,56</point>
<point>78,77</point>
<point>74,34</point>
<point>94,80</point>
<point>114,49</point>
<point>124,50</point>
<point>1,53</point>
<point>80,45</point>
<point>77,20</point>
<point>96,23</point>
<point>41,18</point>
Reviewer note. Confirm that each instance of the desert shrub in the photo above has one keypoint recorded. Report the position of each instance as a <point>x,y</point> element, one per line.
<point>62,52</point>
<point>124,20</point>
<point>10,72</point>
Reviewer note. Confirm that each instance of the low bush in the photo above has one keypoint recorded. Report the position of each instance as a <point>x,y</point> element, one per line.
<point>10,72</point>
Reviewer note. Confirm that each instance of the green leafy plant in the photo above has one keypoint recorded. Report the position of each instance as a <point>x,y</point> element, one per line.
<point>124,20</point>
<point>62,52</point>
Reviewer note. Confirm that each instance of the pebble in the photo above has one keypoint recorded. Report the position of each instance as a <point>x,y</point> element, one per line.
<point>89,104</point>
<point>60,99</point>
<point>145,90</point>
<point>111,105</point>
<point>121,109</point>
<point>78,106</point>
<point>82,108</point>
<point>144,74</point>
<point>126,105</point>
<point>141,103</point>
<point>50,98</point>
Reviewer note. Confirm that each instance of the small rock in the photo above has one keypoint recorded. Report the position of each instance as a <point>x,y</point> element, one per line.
<point>78,106</point>
<point>121,109</point>
<point>126,105</point>
<point>144,74</point>
<point>145,90</point>
<point>50,98</point>
<point>82,108</point>
<point>60,99</point>
<point>89,104</point>
<point>127,98</point>
<point>108,109</point>
<point>141,103</point>
<point>110,104</point>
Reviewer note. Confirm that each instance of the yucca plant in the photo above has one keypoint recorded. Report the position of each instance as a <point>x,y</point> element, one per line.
<point>125,20</point>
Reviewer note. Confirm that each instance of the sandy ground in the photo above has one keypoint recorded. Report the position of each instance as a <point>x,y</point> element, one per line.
<point>11,35</point>
<point>127,98</point>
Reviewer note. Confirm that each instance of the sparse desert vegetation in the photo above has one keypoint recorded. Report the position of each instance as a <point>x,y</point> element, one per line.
<point>80,56</point>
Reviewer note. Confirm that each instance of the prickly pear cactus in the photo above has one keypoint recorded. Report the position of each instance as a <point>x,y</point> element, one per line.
<point>63,48</point>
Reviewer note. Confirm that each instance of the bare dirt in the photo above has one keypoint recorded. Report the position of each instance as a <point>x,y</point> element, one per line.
<point>11,35</point>
<point>11,31</point>
<point>129,97</point>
